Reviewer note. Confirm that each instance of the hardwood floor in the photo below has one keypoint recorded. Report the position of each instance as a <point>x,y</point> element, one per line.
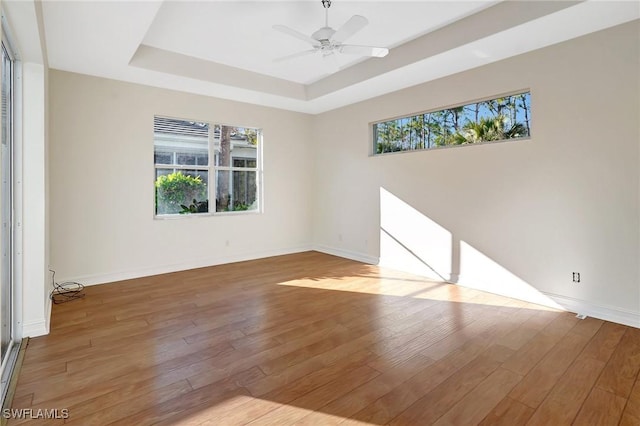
<point>311,339</point>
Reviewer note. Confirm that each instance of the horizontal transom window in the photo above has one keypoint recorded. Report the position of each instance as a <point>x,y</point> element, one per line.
<point>503,118</point>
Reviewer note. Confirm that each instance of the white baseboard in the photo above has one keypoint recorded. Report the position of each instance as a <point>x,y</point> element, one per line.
<point>36,328</point>
<point>578,306</point>
<point>94,279</point>
<point>603,312</point>
<point>347,254</point>
<point>570,304</point>
<point>39,328</point>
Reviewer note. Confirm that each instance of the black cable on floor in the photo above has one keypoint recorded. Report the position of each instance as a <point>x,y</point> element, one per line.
<point>66,291</point>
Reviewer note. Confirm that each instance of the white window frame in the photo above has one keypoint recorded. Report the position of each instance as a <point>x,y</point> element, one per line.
<point>373,134</point>
<point>212,168</point>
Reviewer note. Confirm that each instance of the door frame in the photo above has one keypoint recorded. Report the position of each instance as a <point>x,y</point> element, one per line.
<point>8,362</point>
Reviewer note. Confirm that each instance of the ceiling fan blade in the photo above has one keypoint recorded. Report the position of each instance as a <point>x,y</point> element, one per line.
<point>297,34</point>
<point>349,28</point>
<point>350,49</point>
<point>295,55</point>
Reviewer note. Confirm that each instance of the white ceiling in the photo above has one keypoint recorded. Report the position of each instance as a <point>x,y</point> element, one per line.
<point>240,34</point>
<point>226,49</point>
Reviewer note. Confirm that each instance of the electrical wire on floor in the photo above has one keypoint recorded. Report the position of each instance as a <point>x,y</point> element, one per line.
<point>66,291</point>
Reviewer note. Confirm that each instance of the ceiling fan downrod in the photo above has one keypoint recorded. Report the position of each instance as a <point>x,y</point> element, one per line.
<point>326,4</point>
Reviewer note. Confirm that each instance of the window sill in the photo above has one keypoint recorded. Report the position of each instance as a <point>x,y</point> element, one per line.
<point>200,215</point>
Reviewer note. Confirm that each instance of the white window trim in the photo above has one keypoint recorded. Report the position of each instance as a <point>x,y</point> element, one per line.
<point>212,169</point>
<point>372,136</point>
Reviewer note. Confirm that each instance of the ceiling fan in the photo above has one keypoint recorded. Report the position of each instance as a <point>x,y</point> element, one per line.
<point>328,41</point>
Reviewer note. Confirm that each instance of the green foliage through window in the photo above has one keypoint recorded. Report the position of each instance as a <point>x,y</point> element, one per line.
<point>198,162</point>
<point>503,118</point>
<point>175,190</point>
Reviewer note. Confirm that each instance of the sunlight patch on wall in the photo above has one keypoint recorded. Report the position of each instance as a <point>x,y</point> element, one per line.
<point>479,271</point>
<point>410,241</point>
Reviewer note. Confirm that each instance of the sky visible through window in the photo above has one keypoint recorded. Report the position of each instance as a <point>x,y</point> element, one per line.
<point>503,118</point>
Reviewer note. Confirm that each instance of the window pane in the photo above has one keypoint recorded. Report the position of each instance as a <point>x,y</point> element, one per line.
<point>183,191</point>
<point>162,172</point>
<point>244,190</point>
<point>202,159</point>
<point>497,119</point>
<point>186,159</point>
<point>163,157</point>
<point>244,162</point>
<point>248,135</point>
<point>236,191</point>
<point>224,144</point>
<point>182,143</point>
<point>223,191</point>
<point>6,205</point>
<point>235,146</point>
<point>187,140</point>
<point>203,175</point>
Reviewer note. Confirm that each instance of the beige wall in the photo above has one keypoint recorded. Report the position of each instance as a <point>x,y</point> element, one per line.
<point>102,224</point>
<point>520,214</point>
<point>514,217</point>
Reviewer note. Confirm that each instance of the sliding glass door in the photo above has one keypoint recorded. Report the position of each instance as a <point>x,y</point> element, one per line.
<point>7,333</point>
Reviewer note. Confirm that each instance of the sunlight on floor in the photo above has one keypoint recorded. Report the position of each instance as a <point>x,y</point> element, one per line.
<point>411,241</point>
<point>399,284</point>
<point>235,409</point>
<point>431,258</point>
<point>392,284</point>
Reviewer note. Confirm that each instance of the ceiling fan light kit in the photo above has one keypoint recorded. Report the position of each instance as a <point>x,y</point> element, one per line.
<point>327,41</point>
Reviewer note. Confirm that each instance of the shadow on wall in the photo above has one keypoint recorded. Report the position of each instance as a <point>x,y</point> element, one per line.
<point>412,242</point>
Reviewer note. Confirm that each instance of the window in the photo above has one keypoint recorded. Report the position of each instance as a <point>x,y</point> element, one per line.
<point>185,179</point>
<point>507,117</point>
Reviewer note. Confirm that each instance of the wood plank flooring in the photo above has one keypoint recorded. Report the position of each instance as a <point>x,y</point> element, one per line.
<point>312,339</point>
